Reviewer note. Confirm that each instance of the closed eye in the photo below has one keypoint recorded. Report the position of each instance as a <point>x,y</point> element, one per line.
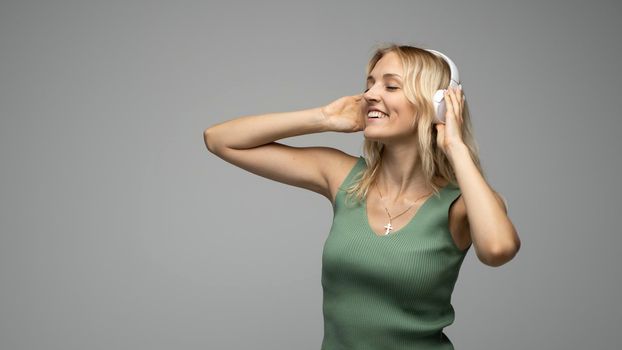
<point>388,87</point>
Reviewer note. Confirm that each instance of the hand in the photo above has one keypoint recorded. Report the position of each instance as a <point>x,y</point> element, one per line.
<point>450,133</point>
<point>346,114</point>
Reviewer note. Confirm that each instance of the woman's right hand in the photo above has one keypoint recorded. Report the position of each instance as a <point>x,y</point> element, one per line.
<point>346,114</point>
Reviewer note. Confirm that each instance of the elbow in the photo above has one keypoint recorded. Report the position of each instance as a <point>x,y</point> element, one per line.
<point>209,140</point>
<point>500,255</point>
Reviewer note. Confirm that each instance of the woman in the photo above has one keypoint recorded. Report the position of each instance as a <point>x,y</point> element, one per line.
<point>405,214</point>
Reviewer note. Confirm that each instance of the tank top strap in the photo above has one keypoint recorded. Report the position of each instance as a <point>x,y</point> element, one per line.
<point>353,175</point>
<point>449,194</point>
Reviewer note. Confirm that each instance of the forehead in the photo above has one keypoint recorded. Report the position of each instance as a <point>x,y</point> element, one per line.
<point>389,63</point>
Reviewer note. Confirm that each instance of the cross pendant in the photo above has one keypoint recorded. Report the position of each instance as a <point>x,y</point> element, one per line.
<point>388,227</point>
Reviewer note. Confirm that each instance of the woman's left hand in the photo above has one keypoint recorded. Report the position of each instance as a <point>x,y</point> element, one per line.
<point>450,133</point>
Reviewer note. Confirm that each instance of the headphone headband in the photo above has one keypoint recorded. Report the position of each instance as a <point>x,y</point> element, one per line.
<point>455,76</point>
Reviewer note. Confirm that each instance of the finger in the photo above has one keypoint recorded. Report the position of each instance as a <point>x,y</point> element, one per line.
<point>462,101</point>
<point>440,133</point>
<point>448,103</point>
<point>462,106</point>
<point>456,102</point>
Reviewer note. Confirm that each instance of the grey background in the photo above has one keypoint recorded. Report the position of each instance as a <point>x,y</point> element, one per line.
<point>119,230</point>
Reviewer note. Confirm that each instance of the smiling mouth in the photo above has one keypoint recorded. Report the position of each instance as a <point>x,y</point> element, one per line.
<point>376,115</point>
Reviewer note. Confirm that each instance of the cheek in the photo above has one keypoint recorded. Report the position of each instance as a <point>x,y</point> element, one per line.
<point>402,105</point>
<point>405,112</point>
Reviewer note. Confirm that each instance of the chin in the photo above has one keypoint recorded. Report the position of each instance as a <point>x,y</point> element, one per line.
<point>372,136</point>
<point>366,134</point>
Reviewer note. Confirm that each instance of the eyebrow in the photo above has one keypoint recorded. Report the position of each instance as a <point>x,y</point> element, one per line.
<point>385,75</point>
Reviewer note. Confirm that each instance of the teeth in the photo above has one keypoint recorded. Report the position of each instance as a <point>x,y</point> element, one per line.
<point>376,114</point>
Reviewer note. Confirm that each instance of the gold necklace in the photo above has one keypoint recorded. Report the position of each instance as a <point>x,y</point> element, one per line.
<point>388,226</point>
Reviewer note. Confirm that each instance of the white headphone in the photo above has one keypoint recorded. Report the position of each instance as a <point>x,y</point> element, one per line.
<point>439,95</point>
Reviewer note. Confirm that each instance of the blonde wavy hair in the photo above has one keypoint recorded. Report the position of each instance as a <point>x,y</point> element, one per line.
<point>424,74</point>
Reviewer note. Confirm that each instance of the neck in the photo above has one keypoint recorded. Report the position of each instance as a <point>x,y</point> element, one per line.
<point>400,177</point>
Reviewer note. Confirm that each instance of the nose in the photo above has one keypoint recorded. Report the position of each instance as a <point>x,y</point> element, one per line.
<point>371,95</point>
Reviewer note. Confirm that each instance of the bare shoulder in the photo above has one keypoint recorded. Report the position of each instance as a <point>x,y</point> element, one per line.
<point>340,165</point>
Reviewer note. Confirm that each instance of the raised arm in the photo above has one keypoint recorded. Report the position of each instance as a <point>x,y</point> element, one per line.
<point>249,143</point>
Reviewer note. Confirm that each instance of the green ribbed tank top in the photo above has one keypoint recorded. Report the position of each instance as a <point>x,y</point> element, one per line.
<point>389,292</point>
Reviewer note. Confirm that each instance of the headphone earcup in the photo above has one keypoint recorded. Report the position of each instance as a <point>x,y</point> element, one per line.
<point>439,106</point>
